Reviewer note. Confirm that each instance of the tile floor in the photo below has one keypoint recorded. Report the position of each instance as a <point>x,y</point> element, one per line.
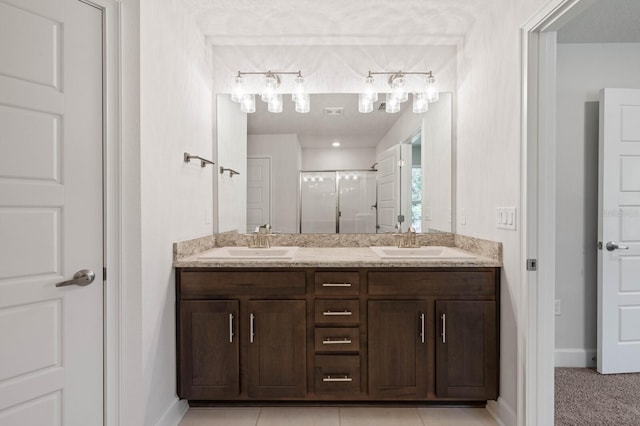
<point>338,416</point>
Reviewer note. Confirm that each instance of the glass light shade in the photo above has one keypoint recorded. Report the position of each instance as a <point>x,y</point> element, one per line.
<point>392,104</point>
<point>248,103</point>
<point>432,91</point>
<point>369,90</point>
<point>365,104</point>
<point>420,103</point>
<point>299,89</point>
<point>270,86</point>
<point>237,94</point>
<point>303,104</point>
<point>275,104</point>
<point>397,87</point>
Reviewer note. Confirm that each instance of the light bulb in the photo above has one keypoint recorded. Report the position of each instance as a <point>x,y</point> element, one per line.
<point>369,90</point>
<point>271,83</point>
<point>237,94</point>
<point>275,104</point>
<point>303,104</point>
<point>299,89</point>
<point>432,91</point>
<point>248,103</point>
<point>420,103</point>
<point>392,104</point>
<point>365,104</point>
<point>397,87</point>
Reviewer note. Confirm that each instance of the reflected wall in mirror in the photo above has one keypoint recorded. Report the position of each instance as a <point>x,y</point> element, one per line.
<point>406,155</point>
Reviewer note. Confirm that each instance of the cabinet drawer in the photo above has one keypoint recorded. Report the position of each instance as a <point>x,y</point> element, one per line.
<point>434,283</point>
<point>337,283</point>
<point>335,340</point>
<point>337,312</point>
<point>337,374</point>
<point>206,284</point>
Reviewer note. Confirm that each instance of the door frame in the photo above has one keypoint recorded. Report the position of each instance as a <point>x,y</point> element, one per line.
<point>536,332</point>
<point>113,211</point>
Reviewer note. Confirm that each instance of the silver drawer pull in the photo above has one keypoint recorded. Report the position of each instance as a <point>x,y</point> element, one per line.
<point>336,284</point>
<point>338,341</point>
<point>344,378</point>
<point>337,313</point>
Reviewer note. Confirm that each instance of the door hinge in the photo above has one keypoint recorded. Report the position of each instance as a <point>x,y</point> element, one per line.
<point>400,218</point>
<point>104,274</point>
<point>532,264</point>
<point>599,245</point>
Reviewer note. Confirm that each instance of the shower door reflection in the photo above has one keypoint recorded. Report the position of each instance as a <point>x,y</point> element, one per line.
<point>338,201</point>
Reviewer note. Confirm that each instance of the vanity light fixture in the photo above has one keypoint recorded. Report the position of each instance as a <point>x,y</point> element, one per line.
<point>269,92</point>
<point>399,94</point>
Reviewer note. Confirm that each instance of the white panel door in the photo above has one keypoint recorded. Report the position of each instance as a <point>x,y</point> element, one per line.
<point>258,192</point>
<point>619,232</point>
<point>405,186</point>
<point>51,340</point>
<point>388,189</point>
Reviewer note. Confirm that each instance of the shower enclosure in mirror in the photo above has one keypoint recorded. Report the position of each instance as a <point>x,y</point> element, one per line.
<point>338,201</point>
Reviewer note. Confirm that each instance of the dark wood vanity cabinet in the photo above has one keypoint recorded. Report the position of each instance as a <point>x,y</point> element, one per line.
<point>209,349</point>
<point>466,349</point>
<point>277,349</point>
<point>351,334</point>
<point>398,349</point>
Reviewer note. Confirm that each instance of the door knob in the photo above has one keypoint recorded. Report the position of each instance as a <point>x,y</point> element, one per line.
<point>82,277</point>
<point>611,246</point>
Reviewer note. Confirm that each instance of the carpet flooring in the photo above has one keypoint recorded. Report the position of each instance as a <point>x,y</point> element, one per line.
<point>584,397</point>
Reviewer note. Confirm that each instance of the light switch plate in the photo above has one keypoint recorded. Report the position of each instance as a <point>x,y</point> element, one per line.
<point>506,218</point>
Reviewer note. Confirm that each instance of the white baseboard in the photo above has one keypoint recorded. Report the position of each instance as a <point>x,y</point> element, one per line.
<point>502,412</point>
<point>174,413</point>
<point>576,358</point>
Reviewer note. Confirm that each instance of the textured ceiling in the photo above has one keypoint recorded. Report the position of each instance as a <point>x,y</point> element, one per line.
<point>251,21</point>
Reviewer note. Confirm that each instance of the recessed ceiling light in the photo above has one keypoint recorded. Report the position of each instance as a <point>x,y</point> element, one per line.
<point>335,144</point>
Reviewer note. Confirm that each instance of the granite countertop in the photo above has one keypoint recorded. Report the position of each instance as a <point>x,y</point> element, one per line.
<point>486,254</point>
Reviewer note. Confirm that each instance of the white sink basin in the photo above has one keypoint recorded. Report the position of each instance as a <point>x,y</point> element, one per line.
<point>249,253</point>
<point>424,252</point>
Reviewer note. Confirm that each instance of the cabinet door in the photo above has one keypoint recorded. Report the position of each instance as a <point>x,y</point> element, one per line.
<point>397,350</point>
<point>277,349</point>
<point>466,350</point>
<point>208,355</point>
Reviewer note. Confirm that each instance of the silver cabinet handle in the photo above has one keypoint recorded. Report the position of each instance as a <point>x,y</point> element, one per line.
<point>422,327</point>
<point>251,327</point>
<point>336,284</point>
<point>611,246</point>
<point>336,313</point>
<point>82,277</point>
<point>444,328</point>
<point>344,378</point>
<point>230,328</point>
<point>336,341</point>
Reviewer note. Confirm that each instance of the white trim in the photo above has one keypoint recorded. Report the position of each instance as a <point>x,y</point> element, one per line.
<point>113,230</point>
<point>535,314</point>
<point>502,412</point>
<point>174,413</point>
<point>575,358</point>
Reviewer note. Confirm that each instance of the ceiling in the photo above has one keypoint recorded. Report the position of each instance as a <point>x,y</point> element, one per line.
<point>316,129</point>
<point>606,21</point>
<point>258,22</point>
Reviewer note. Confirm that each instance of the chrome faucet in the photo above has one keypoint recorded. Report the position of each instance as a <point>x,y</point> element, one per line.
<point>261,237</point>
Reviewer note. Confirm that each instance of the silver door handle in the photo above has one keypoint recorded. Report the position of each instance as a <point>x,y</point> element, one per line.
<point>422,328</point>
<point>444,328</point>
<point>252,333</point>
<point>611,246</point>
<point>83,277</point>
